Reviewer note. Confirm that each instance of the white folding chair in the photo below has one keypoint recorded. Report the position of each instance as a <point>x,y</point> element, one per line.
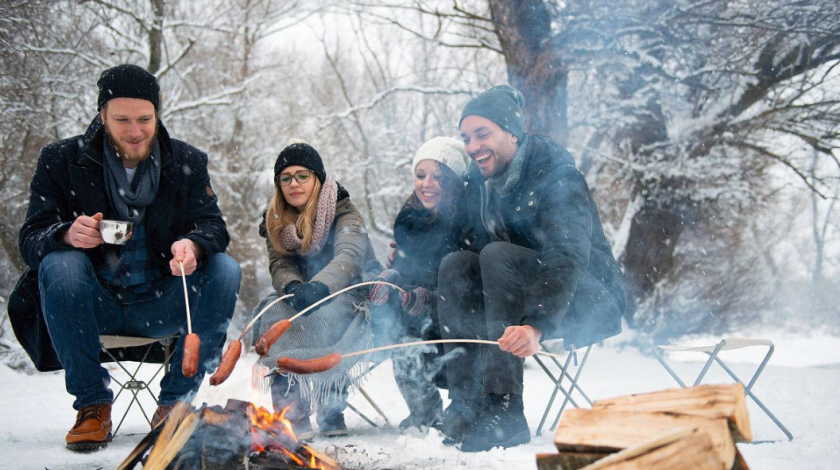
<point>570,369</point>
<point>114,347</point>
<point>713,351</point>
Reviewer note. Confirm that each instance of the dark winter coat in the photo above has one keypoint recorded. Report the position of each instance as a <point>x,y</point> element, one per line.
<point>423,240</point>
<point>69,182</point>
<point>578,292</point>
<point>340,262</point>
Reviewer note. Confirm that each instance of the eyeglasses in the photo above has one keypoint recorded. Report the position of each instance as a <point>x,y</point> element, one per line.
<point>301,176</point>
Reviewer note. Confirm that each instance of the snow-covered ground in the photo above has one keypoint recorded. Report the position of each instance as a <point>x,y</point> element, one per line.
<point>800,385</point>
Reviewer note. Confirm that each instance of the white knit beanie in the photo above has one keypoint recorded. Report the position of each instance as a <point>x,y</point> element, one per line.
<point>445,150</point>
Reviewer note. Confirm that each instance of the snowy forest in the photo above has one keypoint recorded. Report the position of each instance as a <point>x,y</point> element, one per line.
<point>707,130</point>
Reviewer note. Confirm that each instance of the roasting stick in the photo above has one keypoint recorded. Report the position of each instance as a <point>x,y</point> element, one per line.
<point>267,340</point>
<point>234,348</point>
<point>324,363</point>
<point>257,316</point>
<point>186,298</point>
<point>367,283</point>
<point>435,341</point>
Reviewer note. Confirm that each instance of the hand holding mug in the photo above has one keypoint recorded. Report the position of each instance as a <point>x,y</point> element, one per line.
<point>84,233</point>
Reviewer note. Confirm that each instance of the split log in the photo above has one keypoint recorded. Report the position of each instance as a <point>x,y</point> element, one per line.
<point>568,460</point>
<point>710,401</point>
<point>680,450</point>
<point>607,431</point>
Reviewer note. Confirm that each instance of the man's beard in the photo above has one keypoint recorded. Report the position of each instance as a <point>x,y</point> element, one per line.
<point>123,153</point>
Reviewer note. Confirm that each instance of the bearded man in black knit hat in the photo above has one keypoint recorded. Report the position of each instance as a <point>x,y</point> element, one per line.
<point>541,269</point>
<point>124,168</point>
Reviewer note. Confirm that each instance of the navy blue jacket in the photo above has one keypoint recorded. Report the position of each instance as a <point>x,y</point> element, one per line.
<point>69,182</point>
<point>578,291</point>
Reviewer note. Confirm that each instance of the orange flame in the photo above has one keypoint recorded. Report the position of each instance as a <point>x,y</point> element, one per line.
<point>276,426</point>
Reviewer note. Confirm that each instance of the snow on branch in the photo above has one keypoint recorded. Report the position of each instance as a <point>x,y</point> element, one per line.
<point>90,59</point>
<point>219,99</point>
<point>333,118</point>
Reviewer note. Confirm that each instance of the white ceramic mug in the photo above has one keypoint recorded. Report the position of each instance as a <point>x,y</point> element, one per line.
<point>116,232</point>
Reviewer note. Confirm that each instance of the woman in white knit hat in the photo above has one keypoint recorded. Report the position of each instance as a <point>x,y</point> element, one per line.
<point>427,228</point>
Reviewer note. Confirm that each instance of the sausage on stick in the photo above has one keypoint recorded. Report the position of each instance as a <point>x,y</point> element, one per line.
<point>192,344</point>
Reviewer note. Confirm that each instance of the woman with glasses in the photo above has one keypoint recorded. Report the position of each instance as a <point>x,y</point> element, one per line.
<point>428,227</point>
<point>317,244</point>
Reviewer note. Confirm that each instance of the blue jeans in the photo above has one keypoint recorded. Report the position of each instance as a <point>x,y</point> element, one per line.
<point>78,308</point>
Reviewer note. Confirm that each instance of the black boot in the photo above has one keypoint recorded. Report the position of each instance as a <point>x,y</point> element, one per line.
<point>458,417</point>
<point>426,413</point>
<point>330,416</point>
<point>501,424</point>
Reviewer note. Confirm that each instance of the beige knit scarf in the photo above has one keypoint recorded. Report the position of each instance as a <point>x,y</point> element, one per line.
<point>324,215</point>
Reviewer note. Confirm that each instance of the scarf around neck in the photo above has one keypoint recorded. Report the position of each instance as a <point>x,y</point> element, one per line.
<point>129,202</point>
<point>324,216</point>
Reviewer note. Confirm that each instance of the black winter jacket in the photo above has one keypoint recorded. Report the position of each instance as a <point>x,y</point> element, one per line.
<point>422,243</point>
<point>69,182</point>
<point>578,292</point>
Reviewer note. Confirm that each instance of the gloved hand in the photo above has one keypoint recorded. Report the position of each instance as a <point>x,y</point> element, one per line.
<point>379,292</point>
<point>306,294</point>
<point>414,300</point>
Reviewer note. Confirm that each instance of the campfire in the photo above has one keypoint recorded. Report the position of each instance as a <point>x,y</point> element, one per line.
<point>240,436</point>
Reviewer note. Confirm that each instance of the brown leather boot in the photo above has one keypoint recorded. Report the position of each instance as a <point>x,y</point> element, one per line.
<point>161,413</point>
<point>92,429</point>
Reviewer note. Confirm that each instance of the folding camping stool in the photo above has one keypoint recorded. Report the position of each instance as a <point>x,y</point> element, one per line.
<point>712,351</point>
<point>135,385</point>
<point>376,362</point>
<point>570,366</point>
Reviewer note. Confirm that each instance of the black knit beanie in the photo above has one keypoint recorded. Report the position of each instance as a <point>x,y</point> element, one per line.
<point>300,153</point>
<point>128,81</point>
<point>501,104</point>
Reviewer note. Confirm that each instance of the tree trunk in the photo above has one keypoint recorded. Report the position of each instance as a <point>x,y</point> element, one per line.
<point>523,28</point>
<point>156,37</point>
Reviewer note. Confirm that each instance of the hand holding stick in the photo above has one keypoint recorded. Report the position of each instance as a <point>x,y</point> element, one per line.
<point>192,344</point>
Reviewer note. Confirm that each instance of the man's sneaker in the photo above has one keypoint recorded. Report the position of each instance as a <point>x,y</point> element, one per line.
<point>332,425</point>
<point>501,424</point>
<point>457,418</point>
<point>161,413</point>
<point>92,429</point>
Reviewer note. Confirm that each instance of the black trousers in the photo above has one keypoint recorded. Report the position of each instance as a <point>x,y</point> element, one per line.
<point>479,296</point>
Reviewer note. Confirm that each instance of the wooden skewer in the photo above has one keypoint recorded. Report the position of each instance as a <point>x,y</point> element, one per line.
<point>186,298</point>
<point>435,341</point>
<point>257,316</point>
<point>367,283</point>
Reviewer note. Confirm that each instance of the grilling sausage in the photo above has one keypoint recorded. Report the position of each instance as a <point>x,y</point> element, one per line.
<point>309,366</point>
<point>189,363</point>
<point>271,336</point>
<point>229,360</point>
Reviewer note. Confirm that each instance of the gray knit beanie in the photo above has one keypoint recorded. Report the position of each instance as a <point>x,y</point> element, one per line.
<point>444,150</point>
<point>501,104</point>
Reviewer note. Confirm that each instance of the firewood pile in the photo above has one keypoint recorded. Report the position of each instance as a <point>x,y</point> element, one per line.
<point>240,436</point>
<point>692,429</point>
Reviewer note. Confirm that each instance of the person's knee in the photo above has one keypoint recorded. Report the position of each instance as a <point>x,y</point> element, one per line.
<point>224,270</point>
<point>496,252</point>
<point>67,265</point>
<point>456,265</point>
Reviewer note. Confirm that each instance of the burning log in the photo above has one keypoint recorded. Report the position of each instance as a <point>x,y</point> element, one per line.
<point>240,436</point>
<point>671,429</point>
